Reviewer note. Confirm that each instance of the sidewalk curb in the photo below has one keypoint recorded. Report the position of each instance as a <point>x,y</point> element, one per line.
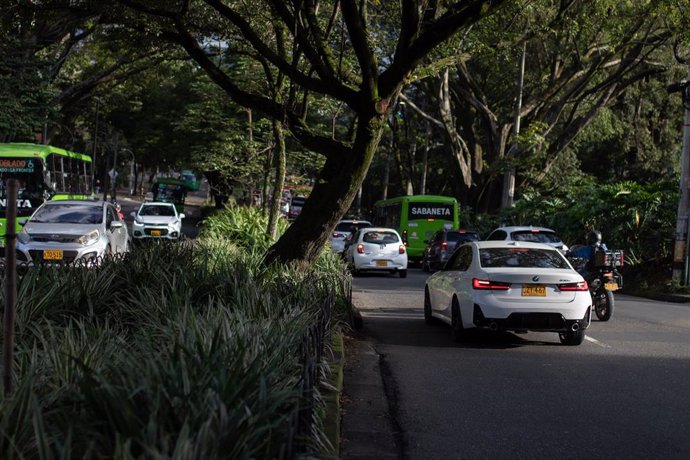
<point>367,431</point>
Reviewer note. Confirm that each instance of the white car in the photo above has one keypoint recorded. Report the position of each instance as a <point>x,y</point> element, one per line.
<point>515,286</point>
<point>343,231</point>
<point>377,249</point>
<point>528,233</point>
<point>71,231</point>
<point>157,220</point>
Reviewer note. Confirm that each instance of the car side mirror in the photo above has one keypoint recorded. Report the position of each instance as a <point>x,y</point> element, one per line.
<point>116,224</point>
<point>133,214</point>
<point>22,222</point>
<point>182,216</point>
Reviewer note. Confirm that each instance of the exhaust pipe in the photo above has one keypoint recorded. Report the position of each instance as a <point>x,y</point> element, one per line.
<point>493,326</point>
<point>575,327</point>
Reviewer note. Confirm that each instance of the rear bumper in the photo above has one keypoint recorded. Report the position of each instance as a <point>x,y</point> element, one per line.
<point>531,321</point>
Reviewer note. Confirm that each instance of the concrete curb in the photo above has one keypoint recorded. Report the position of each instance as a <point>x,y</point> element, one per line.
<point>367,431</point>
<point>662,296</point>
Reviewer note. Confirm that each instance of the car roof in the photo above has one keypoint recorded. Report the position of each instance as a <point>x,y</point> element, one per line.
<point>81,202</point>
<point>378,229</point>
<point>511,244</point>
<point>353,221</point>
<point>523,228</point>
<point>157,203</point>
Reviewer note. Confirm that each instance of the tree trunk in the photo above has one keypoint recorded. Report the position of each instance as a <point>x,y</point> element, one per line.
<point>331,197</point>
<point>274,210</point>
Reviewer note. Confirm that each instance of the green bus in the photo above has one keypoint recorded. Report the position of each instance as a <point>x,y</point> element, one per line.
<point>44,173</point>
<point>170,190</point>
<point>417,218</point>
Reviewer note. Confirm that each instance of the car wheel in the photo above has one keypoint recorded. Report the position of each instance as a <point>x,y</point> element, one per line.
<point>572,337</point>
<point>457,328</point>
<point>427,307</point>
<point>425,265</point>
<point>402,273</point>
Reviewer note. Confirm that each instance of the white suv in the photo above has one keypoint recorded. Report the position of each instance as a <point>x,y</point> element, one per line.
<point>528,233</point>
<point>157,220</point>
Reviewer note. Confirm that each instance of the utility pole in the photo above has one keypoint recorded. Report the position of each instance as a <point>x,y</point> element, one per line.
<point>509,177</point>
<point>680,252</point>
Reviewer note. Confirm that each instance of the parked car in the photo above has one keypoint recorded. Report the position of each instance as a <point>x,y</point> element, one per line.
<point>377,249</point>
<point>528,233</point>
<point>343,231</point>
<point>441,246</point>
<point>509,285</point>
<point>157,220</point>
<point>296,204</point>
<point>72,231</point>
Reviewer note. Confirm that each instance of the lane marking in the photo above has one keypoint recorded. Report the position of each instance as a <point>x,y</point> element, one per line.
<point>596,342</point>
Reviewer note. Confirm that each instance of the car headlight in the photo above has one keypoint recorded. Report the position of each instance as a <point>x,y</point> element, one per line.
<point>138,221</point>
<point>89,239</point>
<point>24,237</point>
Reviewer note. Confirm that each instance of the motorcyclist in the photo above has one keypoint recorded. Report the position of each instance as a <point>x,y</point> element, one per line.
<point>586,252</point>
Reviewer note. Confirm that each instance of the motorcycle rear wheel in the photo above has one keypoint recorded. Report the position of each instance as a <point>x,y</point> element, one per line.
<point>603,305</point>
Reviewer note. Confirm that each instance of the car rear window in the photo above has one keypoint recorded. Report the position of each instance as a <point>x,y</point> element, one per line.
<point>521,257</point>
<point>298,202</point>
<point>535,236</point>
<point>347,226</point>
<point>461,237</point>
<point>380,237</point>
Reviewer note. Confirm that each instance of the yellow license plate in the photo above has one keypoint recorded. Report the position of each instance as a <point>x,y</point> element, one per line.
<point>535,290</point>
<point>611,286</point>
<point>52,254</point>
<point>155,233</point>
<point>381,263</point>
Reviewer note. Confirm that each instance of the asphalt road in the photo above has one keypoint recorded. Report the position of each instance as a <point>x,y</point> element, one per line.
<point>624,393</point>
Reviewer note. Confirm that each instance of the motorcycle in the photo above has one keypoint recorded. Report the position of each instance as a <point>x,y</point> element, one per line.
<point>603,278</point>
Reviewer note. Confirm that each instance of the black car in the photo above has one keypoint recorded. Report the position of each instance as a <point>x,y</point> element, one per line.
<point>440,247</point>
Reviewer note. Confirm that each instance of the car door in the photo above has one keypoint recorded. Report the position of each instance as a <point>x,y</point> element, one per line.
<point>447,281</point>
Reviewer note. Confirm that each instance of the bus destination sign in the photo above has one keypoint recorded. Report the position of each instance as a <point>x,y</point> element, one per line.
<point>17,165</point>
<point>440,211</point>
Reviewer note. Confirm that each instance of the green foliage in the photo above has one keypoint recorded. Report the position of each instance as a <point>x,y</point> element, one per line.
<point>637,218</point>
<point>244,226</point>
<point>180,350</point>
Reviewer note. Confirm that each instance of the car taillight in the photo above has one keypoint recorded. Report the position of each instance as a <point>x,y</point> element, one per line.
<point>581,286</point>
<point>337,235</point>
<point>444,245</point>
<point>360,248</point>
<point>489,285</point>
<point>401,249</point>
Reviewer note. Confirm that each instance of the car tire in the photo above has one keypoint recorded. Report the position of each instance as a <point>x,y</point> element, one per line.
<point>428,318</point>
<point>425,265</point>
<point>402,273</point>
<point>457,329</point>
<point>572,338</point>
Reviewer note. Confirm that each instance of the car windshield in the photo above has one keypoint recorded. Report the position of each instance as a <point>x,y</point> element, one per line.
<point>380,237</point>
<point>536,236</point>
<point>351,226</point>
<point>157,210</point>
<point>62,213</point>
<point>521,257</point>
<point>455,237</point>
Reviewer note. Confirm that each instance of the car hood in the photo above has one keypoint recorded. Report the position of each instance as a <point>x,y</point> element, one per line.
<point>157,219</point>
<point>60,229</point>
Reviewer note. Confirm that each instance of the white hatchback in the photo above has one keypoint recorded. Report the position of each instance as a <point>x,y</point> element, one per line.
<point>157,220</point>
<point>516,286</point>
<point>377,249</point>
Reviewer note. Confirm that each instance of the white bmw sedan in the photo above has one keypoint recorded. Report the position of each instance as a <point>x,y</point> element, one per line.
<point>377,249</point>
<point>516,286</point>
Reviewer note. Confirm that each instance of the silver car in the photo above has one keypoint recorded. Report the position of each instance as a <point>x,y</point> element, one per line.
<point>71,231</point>
<point>157,220</point>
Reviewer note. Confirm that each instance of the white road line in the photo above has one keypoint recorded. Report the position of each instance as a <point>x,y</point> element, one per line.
<point>596,342</point>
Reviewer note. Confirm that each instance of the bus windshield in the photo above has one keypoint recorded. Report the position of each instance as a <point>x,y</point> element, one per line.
<point>29,173</point>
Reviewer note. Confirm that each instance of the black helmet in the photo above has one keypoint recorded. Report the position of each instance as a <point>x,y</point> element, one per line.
<point>594,238</point>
